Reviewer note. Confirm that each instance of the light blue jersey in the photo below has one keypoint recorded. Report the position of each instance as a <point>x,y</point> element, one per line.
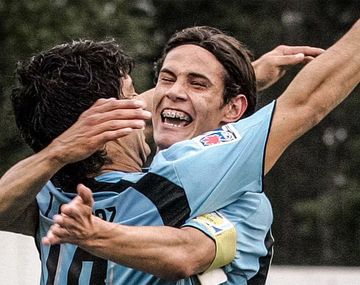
<point>252,217</point>
<point>190,178</point>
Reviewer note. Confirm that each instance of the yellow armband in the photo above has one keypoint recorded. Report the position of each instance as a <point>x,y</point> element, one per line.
<point>224,234</point>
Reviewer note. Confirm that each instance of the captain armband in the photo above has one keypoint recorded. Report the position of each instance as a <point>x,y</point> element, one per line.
<point>224,234</point>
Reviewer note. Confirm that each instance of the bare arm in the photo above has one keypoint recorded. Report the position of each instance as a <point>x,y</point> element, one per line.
<point>316,90</point>
<point>103,122</point>
<point>166,252</point>
<point>19,186</point>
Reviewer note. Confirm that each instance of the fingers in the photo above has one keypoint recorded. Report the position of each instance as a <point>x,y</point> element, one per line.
<point>125,105</point>
<point>68,226</point>
<point>289,59</point>
<point>75,210</point>
<point>85,194</point>
<point>113,115</point>
<point>294,59</point>
<point>109,115</point>
<point>64,221</point>
<point>106,120</point>
<point>111,122</point>
<point>55,235</point>
<point>306,50</point>
<point>121,113</point>
<point>107,104</point>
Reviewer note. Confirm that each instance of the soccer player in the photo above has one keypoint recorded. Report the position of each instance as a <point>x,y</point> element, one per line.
<point>56,87</point>
<point>320,87</point>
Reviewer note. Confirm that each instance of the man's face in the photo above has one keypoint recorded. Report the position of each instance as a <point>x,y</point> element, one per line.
<point>188,97</point>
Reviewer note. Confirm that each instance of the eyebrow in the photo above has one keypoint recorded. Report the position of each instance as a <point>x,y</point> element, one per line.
<point>166,70</point>
<point>191,74</point>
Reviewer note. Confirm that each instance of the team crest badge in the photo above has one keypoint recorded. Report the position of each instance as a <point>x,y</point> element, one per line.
<point>218,136</point>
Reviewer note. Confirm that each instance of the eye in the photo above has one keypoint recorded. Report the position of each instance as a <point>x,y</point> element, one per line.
<point>166,79</point>
<point>198,84</point>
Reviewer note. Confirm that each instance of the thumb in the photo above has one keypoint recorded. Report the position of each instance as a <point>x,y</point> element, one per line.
<point>85,194</point>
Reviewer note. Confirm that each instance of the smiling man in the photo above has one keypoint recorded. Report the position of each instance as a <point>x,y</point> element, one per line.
<point>54,88</point>
<point>245,145</point>
<point>187,101</point>
<point>244,151</point>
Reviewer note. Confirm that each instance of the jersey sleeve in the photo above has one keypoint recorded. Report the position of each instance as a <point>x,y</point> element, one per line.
<point>252,217</point>
<point>216,168</point>
<point>222,231</point>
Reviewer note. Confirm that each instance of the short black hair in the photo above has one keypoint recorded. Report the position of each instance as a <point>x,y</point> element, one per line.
<point>57,85</point>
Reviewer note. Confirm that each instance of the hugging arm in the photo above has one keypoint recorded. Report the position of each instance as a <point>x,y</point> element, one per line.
<point>166,252</point>
<point>163,251</point>
<point>105,120</point>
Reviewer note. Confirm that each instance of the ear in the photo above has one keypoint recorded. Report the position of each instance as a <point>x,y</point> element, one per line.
<point>234,110</point>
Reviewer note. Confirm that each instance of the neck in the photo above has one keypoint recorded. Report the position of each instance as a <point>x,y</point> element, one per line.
<point>127,154</point>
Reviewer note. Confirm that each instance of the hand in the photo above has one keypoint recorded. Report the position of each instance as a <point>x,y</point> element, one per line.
<point>76,223</point>
<point>106,120</point>
<point>271,66</point>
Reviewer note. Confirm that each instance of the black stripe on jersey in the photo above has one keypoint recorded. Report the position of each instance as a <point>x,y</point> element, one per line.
<point>265,262</point>
<point>169,198</point>
<point>118,187</point>
<point>51,263</point>
<point>50,204</point>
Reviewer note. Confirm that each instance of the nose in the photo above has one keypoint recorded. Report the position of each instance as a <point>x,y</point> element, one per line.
<point>177,92</point>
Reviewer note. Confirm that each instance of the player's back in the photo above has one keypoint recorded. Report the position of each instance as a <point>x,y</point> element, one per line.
<point>117,201</point>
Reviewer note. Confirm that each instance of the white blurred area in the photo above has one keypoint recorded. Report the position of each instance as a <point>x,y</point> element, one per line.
<point>20,265</point>
<point>19,260</point>
<point>313,275</point>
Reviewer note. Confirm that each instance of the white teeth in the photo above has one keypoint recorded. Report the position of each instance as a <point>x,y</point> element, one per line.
<point>173,125</point>
<point>176,114</point>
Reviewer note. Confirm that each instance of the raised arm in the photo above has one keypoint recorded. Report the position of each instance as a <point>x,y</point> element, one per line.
<point>166,252</point>
<point>104,121</point>
<point>316,90</point>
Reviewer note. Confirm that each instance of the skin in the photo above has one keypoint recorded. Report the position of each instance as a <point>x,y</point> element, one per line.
<point>107,119</point>
<point>177,248</point>
<point>283,57</point>
<point>191,91</point>
<point>316,90</point>
<point>191,84</point>
<point>32,173</point>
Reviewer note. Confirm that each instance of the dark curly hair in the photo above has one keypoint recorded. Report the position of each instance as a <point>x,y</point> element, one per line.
<point>56,86</point>
<point>233,55</point>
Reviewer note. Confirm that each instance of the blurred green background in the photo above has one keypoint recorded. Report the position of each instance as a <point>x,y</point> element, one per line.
<point>314,188</point>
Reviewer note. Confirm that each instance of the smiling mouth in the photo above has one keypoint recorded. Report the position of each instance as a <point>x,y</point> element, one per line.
<point>175,118</point>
